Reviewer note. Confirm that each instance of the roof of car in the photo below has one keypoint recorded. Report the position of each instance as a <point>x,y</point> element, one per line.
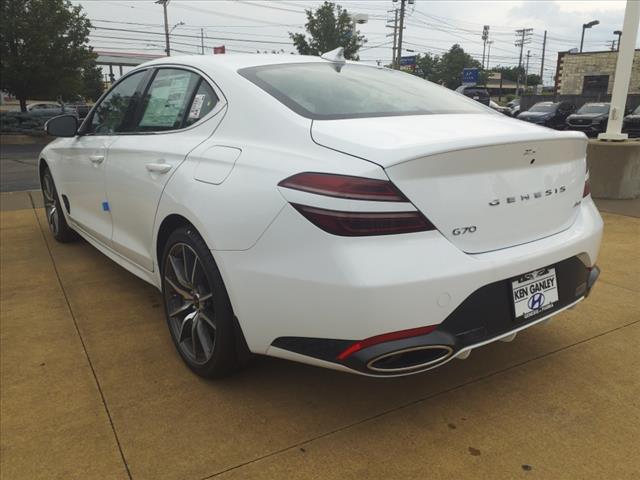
<point>235,61</point>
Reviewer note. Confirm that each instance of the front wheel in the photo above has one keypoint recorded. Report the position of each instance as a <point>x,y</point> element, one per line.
<point>58,226</point>
<point>197,306</point>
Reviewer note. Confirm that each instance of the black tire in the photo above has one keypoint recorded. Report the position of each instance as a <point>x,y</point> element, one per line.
<point>205,333</point>
<point>56,220</point>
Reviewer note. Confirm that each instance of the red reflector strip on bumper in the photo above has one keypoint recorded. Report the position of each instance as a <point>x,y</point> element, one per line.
<point>385,337</point>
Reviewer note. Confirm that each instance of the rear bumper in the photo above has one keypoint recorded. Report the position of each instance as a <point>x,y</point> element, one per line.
<point>484,317</point>
<point>300,282</point>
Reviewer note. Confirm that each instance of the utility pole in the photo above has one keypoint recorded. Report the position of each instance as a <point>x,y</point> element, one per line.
<point>202,41</point>
<point>485,37</point>
<point>523,37</point>
<point>526,70</point>
<point>395,37</point>
<point>402,10</point>
<point>489,42</point>
<point>544,46</point>
<point>164,4</point>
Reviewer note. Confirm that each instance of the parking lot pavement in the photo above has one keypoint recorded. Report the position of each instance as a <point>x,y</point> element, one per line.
<point>92,387</point>
<point>19,167</point>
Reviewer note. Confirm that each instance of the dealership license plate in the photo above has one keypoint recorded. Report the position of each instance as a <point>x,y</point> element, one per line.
<point>534,292</point>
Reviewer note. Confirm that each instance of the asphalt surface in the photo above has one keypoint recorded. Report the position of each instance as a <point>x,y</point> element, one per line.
<point>93,388</point>
<point>19,167</point>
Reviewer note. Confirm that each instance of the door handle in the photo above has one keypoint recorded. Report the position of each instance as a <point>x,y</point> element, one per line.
<point>96,159</point>
<point>158,167</point>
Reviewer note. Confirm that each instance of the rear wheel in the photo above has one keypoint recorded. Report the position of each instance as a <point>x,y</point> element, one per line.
<point>197,307</point>
<point>58,226</point>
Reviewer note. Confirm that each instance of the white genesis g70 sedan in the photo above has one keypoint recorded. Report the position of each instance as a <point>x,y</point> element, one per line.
<point>347,216</point>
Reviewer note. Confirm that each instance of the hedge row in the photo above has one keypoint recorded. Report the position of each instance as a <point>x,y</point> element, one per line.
<point>29,123</point>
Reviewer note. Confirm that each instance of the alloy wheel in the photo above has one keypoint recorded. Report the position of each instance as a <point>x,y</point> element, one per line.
<point>50,204</point>
<point>189,303</point>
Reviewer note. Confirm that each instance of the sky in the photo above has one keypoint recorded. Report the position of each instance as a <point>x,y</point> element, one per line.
<point>431,26</point>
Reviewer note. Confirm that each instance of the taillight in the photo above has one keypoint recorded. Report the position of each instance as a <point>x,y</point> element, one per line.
<point>587,186</point>
<point>385,337</point>
<point>356,223</point>
<point>345,186</point>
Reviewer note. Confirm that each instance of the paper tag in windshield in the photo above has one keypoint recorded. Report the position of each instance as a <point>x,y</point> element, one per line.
<point>196,106</point>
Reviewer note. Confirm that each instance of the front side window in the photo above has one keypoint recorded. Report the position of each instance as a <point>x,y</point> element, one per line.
<point>115,113</point>
<point>319,91</point>
<point>168,100</point>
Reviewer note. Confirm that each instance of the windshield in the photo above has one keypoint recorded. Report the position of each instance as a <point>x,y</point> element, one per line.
<point>544,107</point>
<point>594,108</point>
<point>318,91</point>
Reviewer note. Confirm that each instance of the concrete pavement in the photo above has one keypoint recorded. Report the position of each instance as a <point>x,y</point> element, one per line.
<point>19,166</point>
<point>92,387</point>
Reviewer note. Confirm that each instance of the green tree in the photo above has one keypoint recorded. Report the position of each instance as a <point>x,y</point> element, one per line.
<point>92,82</point>
<point>448,71</point>
<point>43,49</point>
<point>426,66</point>
<point>329,27</point>
<point>533,79</point>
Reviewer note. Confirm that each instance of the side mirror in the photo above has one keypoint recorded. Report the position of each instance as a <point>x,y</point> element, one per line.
<point>62,126</point>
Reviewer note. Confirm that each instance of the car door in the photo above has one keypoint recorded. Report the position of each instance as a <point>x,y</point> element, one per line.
<point>82,165</point>
<point>180,109</point>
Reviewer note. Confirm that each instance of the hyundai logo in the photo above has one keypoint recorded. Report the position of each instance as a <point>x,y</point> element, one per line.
<point>536,301</point>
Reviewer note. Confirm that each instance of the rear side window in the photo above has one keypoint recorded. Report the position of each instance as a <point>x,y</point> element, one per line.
<point>319,91</point>
<point>114,114</point>
<point>167,99</point>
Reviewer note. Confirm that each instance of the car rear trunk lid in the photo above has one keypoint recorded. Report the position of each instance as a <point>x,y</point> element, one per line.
<point>498,184</point>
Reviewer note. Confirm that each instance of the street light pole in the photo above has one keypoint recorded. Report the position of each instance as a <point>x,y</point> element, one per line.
<point>164,4</point>
<point>489,42</point>
<point>619,34</point>
<point>593,23</point>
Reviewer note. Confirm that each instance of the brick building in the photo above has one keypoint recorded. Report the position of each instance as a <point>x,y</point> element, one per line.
<point>592,73</point>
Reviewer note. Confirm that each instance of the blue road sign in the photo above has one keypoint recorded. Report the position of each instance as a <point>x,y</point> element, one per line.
<point>407,61</point>
<point>470,76</point>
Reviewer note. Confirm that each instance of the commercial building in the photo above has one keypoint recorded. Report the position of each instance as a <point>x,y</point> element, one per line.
<point>591,73</point>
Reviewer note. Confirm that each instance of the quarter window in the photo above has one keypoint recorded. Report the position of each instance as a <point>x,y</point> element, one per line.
<point>115,113</point>
<point>203,102</point>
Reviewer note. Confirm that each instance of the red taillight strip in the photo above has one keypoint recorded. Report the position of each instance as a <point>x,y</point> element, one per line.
<point>356,224</point>
<point>345,186</point>
<point>385,337</point>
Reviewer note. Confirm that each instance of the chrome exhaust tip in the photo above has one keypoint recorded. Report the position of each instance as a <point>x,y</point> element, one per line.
<point>410,359</point>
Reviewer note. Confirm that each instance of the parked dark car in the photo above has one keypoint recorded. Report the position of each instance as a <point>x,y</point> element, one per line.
<point>549,114</point>
<point>477,93</point>
<point>591,118</point>
<point>631,123</point>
